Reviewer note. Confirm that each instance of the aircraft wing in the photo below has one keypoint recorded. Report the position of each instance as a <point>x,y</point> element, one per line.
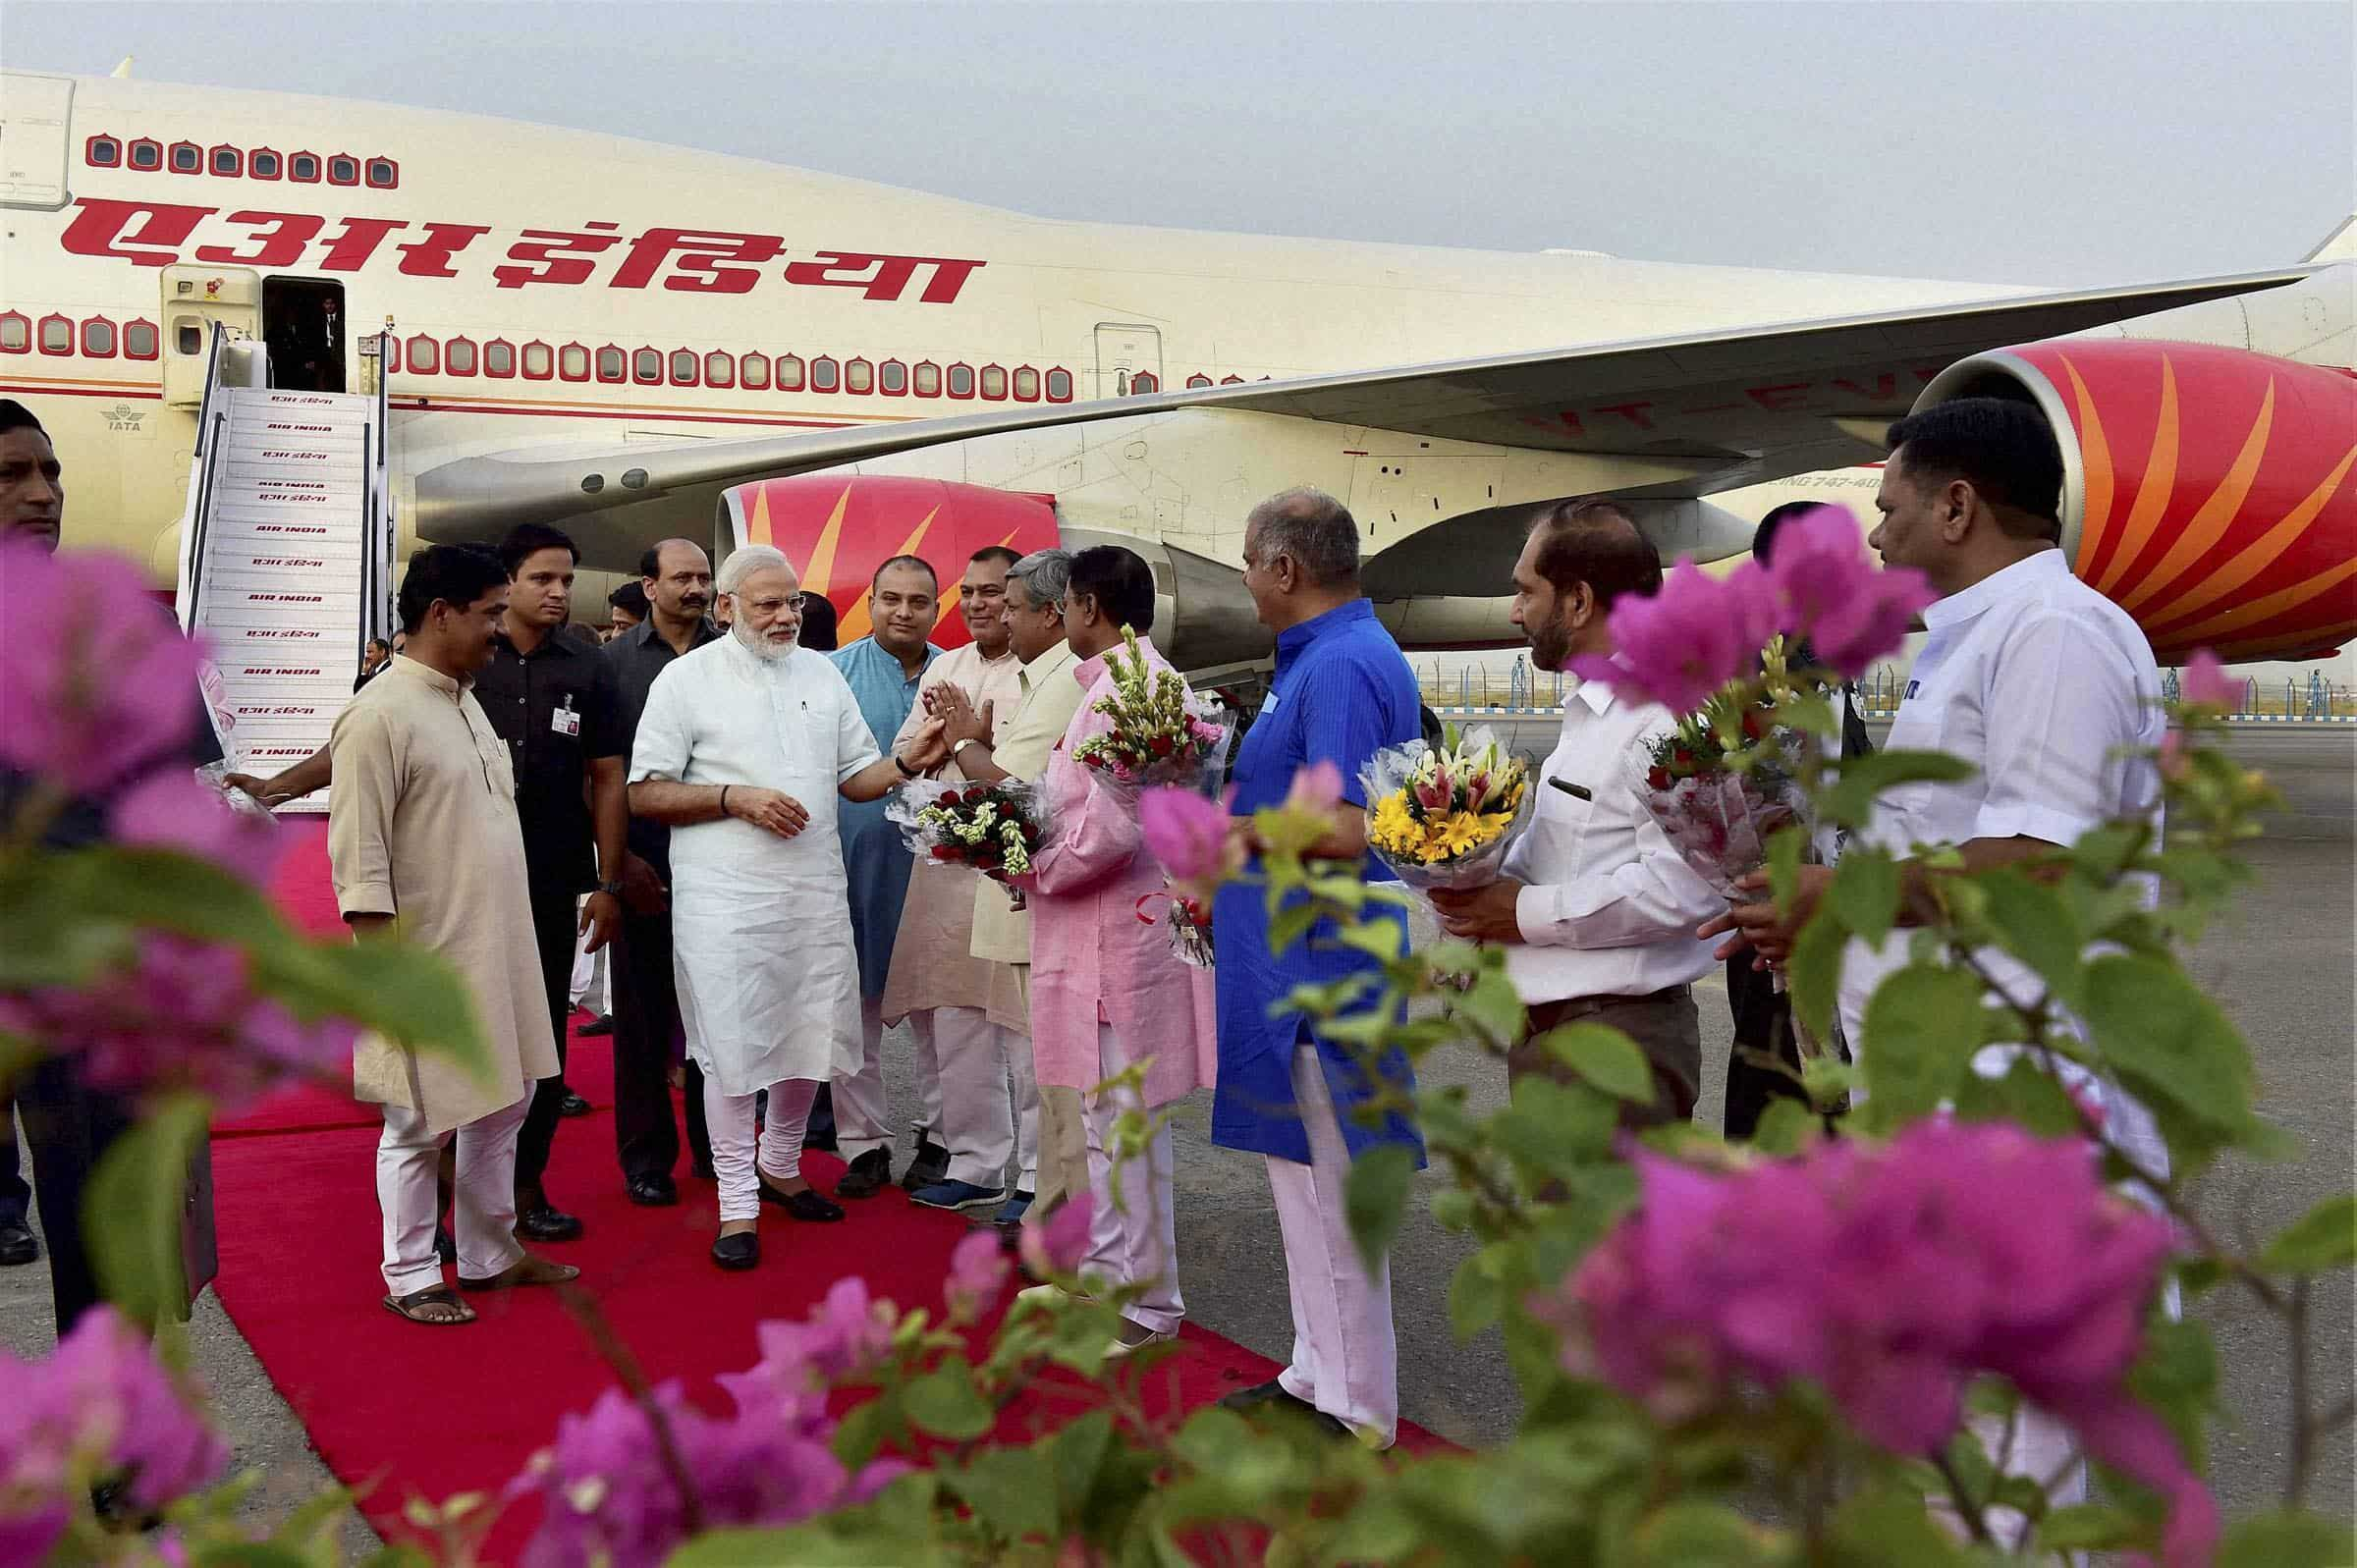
<point>1733,407</point>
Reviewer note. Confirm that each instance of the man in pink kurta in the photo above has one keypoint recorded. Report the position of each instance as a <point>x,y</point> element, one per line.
<point>1107,989</point>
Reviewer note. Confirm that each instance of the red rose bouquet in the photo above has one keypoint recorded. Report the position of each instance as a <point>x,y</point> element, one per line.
<point>993,828</point>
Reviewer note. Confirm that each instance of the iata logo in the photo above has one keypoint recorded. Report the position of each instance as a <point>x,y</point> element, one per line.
<point>123,416</point>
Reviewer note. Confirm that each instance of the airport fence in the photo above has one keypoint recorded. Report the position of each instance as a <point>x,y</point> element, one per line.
<point>1514,688</point>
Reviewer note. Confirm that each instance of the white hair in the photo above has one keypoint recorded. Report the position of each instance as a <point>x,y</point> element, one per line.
<point>744,562</point>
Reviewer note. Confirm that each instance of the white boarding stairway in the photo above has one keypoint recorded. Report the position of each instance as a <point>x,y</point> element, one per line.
<point>285,563</point>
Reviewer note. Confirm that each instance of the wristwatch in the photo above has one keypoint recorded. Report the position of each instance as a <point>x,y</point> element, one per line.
<point>958,750</point>
<point>614,887</point>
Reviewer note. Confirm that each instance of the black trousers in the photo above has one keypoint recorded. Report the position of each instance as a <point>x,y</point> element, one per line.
<point>1763,1018</point>
<point>646,1042</point>
<point>555,931</point>
<point>16,1195</point>
<point>70,1127</point>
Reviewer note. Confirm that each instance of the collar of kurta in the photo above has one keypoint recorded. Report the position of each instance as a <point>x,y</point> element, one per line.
<point>1293,639</point>
<point>2003,583</point>
<point>1046,665</point>
<point>1088,669</point>
<point>418,671</point>
<point>867,650</point>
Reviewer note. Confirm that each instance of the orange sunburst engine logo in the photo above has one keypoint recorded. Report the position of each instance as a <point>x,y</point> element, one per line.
<point>2213,490</point>
<point>836,529</point>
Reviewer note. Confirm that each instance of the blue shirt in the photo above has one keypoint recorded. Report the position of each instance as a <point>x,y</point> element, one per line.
<point>1341,692</point>
<point>875,862</point>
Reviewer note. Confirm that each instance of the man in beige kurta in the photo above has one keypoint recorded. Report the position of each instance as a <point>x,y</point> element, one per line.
<point>423,838</point>
<point>1003,932</point>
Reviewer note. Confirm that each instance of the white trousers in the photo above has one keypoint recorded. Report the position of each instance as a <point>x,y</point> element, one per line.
<point>1346,1361</point>
<point>987,1110</point>
<point>409,1162</point>
<point>862,1120</point>
<point>729,1121</point>
<point>593,972</point>
<point>1136,1241</point>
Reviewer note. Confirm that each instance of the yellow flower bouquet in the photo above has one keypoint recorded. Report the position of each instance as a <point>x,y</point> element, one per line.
<point>1445,818</point>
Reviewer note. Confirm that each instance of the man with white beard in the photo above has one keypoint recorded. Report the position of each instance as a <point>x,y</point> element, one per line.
<point>744,745</point>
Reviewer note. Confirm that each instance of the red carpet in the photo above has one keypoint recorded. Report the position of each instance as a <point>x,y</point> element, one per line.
<point>399,1410</point>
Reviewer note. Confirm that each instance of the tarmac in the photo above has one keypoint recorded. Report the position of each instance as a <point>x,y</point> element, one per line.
<point>2283,961</point>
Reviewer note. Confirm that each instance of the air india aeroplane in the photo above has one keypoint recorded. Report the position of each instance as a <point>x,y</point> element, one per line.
<point>636,340</point>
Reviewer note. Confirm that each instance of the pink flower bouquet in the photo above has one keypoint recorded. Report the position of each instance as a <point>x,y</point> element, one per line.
<point>1717,817</point>
<point>1162,734</point>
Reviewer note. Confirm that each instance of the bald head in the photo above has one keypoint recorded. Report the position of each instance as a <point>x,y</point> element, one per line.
<point>1312,529</point>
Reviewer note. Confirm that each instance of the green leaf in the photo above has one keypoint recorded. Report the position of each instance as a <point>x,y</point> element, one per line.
<point>1885,1525</point>
<point>133,1211</point>
<point>1477,1293</point>
<point>1013,1490</point>
<point>1786,1128</point>
<point>2035,924</point>
<point>1786,846</point>
<point>249,1554</point>
<point>2325,1237</point>
<point>945,1403</point>
<point>1375,1199</point>
<point>2177,1375</point>
<point>1865,893</point>
<point>1078,1454</point>
<point>1849,802</point>
<point>2026,1094</point>
<point>1699,1535</point>
<point>402,992</point>
<point>1605,1058</point>
<point>1922,1027</point>
<point>2171,1045</point>
<point>2288,1541</point>
<point>1548,1127</point>
<point>168,891</point>
<point>1494,1004</point>
<point>2086,1527</point>
<point>1380,939</point>
<point>1813,973</point>
<point>835,1542</point>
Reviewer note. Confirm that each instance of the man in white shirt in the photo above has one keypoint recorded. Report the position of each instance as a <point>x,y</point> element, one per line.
<point>1596,910</point>
<point>2040,681</point>
<point>744,747</point>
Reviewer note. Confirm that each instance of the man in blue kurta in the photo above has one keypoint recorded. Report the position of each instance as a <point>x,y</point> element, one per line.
<point>1342,691</point>
<point>883,670</point>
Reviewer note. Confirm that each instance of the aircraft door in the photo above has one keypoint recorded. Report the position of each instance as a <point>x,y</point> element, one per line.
<point>194,297</point>
<point>1129,358</point>
<point>36,139</point>
<point>305,328</point>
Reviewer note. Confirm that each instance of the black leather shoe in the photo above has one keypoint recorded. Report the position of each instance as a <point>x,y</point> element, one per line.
<point>869,1175</point>
<point>545,1222</point>
<point>602,1024</point>
<point>573,1104</point>
<point>929,1168</point>
<point>652,1192</point>
<point>1264,1397</point>
<point>444,1248</point>
<point>740,1251</point>
<point>17,1246</point>
<point>806,1204</point>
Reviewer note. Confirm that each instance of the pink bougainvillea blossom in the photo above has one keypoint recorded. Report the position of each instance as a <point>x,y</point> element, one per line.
<point>1831,594</point>
<point>1058,1243</point>
<point>2203,684</point>
<point>1679,645</point>
<point>1190,835</point>
<point>169,809</point>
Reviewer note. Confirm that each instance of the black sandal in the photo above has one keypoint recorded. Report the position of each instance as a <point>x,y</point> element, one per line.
<point>431,1296</point>
<point>807,1205</point>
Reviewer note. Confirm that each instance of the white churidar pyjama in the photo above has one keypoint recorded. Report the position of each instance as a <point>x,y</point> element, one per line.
<point>409,1162</point>
<point>1137,1242</point>
<point>729,1121</point>
<point>1346,1361</point>
<point>989,1100</point>
<point>863,1119</point>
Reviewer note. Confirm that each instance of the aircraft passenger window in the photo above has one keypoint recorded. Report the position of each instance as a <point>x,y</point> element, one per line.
<point>994,382</point>
<point>1060,385</point>
<point>186,157</point>
<point>1198,379</point>
<point>188,336</point>
<point>928,379</point>
<point>609,363</point>
<point>424,354</point>
<point>265,164</point>
<point>757,371</point>
<point>147,155</point>
<point>962,381</point>
<point>57,335</point>
<point>498,358</point>
<point>790,372</point>
<point>228,162</point>
<point>859,376</point>
<point>102,152</point>
<point>893,379</point>
<point>646,367</point>
<point>141,341</point>
<point>459,358</point>
<point>825,376</point>
<point>342,169</point>
<point>392,353</point>
<point>573,362</point>
<point>1232,381</point>
<point>683,367</point>
<point>720,371</point>
<point>98,338</point>
<point>1144,381</point>
<point>1027,385</point>
<point>539,361</point>
<point>382,175</point>
<point>303,166</point>
<point>16,333</point>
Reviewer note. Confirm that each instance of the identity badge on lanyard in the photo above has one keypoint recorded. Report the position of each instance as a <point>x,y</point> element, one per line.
<point>565,721</point>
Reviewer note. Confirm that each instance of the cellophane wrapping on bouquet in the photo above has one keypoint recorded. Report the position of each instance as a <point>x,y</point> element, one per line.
<point>1718,820</point>
<point>1161,733</point>
<point>1445,818</point>
<point>997,829</point>
<point>1188,920</point>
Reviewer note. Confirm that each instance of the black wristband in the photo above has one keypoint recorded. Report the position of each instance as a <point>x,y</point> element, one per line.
<point>907,772</point>
<point>723,800</point>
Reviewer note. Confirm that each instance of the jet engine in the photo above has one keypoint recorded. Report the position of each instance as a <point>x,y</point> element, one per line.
<point>2206,490</point>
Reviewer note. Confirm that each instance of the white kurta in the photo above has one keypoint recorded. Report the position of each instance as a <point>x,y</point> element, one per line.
<point>761,934</point>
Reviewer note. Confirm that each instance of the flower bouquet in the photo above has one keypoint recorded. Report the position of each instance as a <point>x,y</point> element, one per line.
<point>1190,920</point>
<point>1445,818</point>
<point>1716,814</point>
<point>1162,733</point>
<point>993,828</point>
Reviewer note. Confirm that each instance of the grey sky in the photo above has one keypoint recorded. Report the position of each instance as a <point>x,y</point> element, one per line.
<point>2031,143</point>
